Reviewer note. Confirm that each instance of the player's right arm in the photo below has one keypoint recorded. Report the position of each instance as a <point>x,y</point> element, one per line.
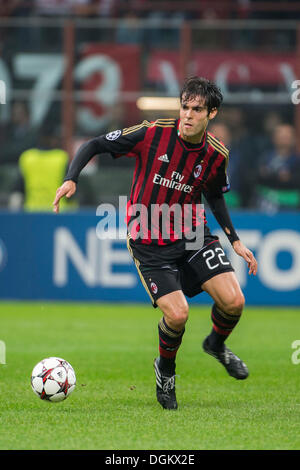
<point>117,143</point>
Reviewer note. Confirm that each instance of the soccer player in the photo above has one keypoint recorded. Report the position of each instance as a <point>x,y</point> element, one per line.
<point>178,160</point>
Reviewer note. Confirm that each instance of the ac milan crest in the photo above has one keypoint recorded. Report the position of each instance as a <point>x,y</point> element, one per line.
<point>154,287</point>
<point>197,171</point>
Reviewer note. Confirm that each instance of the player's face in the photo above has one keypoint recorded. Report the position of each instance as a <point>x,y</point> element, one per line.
<point>194,118</point>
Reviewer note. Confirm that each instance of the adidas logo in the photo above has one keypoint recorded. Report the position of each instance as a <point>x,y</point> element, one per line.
<point>164,158</point>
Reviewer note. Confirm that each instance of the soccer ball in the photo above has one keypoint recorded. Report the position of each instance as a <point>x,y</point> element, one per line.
<point>53,379</point>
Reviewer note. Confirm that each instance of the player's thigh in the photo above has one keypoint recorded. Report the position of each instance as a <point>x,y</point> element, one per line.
<point>203,265</point>
<point>161,279</point>
<point>226,292</point>
<point>175,309</point>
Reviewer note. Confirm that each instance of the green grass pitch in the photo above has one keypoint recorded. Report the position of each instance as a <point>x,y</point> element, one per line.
<point>112,348</point>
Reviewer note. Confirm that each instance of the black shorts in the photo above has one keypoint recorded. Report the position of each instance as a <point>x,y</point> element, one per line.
<point>165,269</point>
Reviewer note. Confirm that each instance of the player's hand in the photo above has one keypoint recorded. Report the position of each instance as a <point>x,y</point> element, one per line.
<point>248,256</point>
<point>67,189</point>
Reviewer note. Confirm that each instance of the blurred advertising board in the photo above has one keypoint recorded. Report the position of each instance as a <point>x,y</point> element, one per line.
<point>107,71</point>
<point>62,257</point>
<point>107,79</point>
<point>231,68</point>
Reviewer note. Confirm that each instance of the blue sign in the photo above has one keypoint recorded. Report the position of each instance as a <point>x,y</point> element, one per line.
<point>65,257</point>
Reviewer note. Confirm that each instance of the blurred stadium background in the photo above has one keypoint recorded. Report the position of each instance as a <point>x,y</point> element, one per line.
<point>73,69</point>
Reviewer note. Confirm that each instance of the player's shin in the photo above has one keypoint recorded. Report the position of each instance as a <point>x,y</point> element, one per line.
<point>169,343</point>
<point>223,325</point>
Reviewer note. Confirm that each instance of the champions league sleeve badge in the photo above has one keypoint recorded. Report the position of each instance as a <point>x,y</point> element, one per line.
<point>113,135</point>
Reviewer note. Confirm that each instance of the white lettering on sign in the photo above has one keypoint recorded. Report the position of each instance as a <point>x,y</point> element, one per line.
<point>98,260</point>
<point>47,71</point>
<point>107,93</point>
<point>67,250</point>
<point>110,257</point>
<point>266,249</point>
<point>94,264</point>
<point>271,275</point>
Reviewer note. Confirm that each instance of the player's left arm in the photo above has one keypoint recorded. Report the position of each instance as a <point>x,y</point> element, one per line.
<point>214,194</point>
<point>248,256</point>
<point>220,211</point>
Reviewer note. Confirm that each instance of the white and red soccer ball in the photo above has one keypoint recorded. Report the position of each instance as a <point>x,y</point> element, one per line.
<point>53,379</point>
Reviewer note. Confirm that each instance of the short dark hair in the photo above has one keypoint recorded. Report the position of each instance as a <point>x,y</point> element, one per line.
<point>199,86</point>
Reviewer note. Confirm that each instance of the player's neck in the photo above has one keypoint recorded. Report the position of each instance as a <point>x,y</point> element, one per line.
<point>194,139</point>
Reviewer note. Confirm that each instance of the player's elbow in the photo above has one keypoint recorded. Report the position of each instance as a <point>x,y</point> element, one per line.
<point>91,146</point>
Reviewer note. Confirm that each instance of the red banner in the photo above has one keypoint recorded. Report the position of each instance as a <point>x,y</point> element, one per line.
<point>108,71</point>
<point>232,68</point>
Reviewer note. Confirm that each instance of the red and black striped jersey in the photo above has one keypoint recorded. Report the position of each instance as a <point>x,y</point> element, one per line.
<point>168,171</point>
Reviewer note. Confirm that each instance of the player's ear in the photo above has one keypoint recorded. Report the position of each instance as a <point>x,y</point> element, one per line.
<point>213,113</point>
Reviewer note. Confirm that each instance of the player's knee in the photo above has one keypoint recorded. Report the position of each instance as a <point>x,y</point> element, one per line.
<point>177,316</point>
<point>236,304</point>
<point>181,315</point>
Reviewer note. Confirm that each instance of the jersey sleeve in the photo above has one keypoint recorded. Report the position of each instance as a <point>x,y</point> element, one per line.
<point>120,142</point>
<point>220,211</point>
<point>214,196</point>
<point>220,184</point>
<point>127,141</point>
